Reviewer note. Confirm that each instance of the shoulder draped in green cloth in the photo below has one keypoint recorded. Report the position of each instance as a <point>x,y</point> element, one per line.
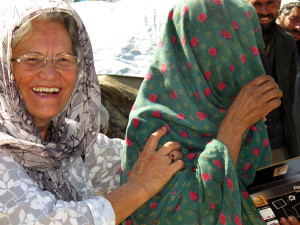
<point>207,52</point>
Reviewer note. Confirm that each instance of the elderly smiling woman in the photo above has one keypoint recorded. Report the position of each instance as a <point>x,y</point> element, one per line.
<point>49,105</point>
<point>45,87</point>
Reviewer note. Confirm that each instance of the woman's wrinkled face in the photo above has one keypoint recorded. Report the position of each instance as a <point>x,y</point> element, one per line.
<point>45,90</point>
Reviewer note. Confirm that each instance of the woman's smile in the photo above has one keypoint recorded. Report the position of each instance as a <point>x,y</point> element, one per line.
<point>46,91</point>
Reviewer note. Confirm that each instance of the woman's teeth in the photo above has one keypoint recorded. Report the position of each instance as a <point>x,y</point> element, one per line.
<point>45,90</point>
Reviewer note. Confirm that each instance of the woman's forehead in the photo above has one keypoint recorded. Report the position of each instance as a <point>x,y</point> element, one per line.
<point>46,36</point>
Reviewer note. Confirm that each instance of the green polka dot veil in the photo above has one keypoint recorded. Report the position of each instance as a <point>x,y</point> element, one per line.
<point>208,50</point>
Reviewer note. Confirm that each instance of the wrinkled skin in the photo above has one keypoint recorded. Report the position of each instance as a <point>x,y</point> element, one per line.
<point>151,172</point>
<point>253,102</point>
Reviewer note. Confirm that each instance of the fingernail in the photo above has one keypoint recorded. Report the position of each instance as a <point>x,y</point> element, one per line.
<point>291,218</point>
<point>283,220</point>
<point>167,127</point>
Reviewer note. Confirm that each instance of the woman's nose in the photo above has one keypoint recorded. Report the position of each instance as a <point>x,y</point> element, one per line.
<point>49,69</point>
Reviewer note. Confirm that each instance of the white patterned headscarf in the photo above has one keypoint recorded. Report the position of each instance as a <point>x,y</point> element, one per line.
<point>73,131</point>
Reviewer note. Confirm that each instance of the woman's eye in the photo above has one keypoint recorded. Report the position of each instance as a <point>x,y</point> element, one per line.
<point>63,60</point>
<point>32,59</point>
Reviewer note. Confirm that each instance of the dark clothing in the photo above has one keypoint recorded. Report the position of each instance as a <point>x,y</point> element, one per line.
<point>275,129</point>
<point>274,121</point>
<point>280,61</point>
<point>296,106</point>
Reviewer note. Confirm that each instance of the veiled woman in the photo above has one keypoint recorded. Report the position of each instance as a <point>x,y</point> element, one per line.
<point>207,84</point>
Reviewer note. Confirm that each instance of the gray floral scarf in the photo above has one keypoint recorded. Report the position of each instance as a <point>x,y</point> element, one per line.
<point>73,130</point>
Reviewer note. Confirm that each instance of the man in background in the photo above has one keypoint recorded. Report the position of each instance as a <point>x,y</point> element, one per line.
<point>280,60</point>
<point>289,18</point>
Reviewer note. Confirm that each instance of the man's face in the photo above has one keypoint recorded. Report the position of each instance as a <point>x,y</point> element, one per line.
<point>291,23</point>
<point>267,11</point>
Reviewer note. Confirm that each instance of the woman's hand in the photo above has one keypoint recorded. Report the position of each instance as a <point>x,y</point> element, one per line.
<point>253,102</point>
<point>154,169</point>
<point>149,175</point>
<point>291,220</point>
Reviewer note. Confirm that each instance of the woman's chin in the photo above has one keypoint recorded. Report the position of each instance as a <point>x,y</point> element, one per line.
<point>43,117</point>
